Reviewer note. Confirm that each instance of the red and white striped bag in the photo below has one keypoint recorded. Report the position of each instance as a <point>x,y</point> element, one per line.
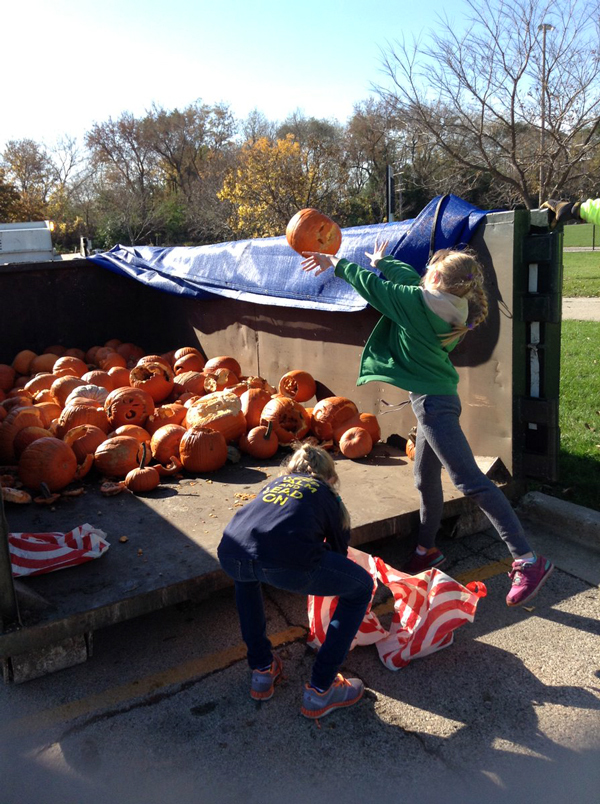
<point>36,553</point>
<point>427,609</point>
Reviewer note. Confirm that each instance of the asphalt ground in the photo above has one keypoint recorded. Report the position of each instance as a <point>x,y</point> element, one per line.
<point>161,712</point>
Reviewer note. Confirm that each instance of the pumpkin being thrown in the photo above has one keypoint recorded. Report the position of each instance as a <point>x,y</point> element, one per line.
<point>202,450</point>
<point>311,230</point>
<point>49,461</point>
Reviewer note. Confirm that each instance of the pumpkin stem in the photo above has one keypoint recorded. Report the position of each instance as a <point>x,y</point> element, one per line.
<point>143,458</point>
<point>46,493</point>
<point>267,434</point>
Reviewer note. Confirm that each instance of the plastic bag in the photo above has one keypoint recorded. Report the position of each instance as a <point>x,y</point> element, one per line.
<point>36,553</point>
<point>428,608</point>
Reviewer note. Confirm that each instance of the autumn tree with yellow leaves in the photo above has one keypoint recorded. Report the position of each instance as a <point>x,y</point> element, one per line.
<point>273,179</point>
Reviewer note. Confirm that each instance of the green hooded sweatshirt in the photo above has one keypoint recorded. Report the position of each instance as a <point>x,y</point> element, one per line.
<point>404,348</point>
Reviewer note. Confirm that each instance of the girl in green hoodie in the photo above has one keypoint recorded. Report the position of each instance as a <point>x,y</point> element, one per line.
<point>423,319</point>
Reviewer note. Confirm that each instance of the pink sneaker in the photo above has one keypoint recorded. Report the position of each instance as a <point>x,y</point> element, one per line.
<point>416,563</point>
<point>527,578</point>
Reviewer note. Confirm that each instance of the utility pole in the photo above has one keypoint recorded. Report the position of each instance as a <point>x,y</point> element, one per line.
<point>544,28</point>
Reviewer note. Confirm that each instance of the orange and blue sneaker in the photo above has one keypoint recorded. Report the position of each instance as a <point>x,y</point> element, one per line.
<point>263,682</point>
<point>343,692</point>
<point>527,578</point>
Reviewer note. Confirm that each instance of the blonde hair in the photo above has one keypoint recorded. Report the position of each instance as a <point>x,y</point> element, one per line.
<point>308,459</point>
<point>461,274</point>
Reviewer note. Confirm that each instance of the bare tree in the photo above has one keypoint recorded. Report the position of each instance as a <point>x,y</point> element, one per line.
<point>516,96</point>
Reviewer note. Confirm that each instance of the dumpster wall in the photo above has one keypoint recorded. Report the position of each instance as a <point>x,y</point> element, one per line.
<point>78,304</point>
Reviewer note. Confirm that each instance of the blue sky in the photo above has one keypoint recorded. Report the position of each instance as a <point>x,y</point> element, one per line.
<point>76,62</point>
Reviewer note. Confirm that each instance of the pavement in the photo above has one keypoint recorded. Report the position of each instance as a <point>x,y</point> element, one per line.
<point>581,308</point>
<point>509,713</point>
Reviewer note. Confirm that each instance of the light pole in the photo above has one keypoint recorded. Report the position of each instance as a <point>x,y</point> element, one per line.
<point>544,28</point>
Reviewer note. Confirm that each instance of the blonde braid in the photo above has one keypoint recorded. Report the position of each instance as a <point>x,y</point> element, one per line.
<point>461,274</point>
<point>317,462</point>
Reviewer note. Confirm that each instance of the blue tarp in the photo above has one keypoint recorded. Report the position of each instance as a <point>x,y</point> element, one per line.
<point>267,271</point>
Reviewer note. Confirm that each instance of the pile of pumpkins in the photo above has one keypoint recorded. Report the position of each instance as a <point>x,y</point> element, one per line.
<point>136,418</point>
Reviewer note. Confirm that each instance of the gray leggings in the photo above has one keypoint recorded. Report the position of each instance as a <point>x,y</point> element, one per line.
<point>441,442</point>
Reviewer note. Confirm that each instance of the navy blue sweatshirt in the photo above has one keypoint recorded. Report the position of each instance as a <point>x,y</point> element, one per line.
<point>290,523</point>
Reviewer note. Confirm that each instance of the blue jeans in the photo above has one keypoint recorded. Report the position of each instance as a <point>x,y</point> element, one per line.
<point>441,442</point>
<point>335,575</point>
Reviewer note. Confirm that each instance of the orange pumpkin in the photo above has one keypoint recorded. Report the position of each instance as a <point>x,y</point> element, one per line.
<point>50,461</point>
<point>84,440</point>
<point>155,378</point>
<point>253,401</point>
<point>7,377</point>
<point>23,360</point>
<point>191,382</point>
<point>144,478</point>
<point>117,456</point>
<point>368,421</point>
<point>128,406</point>
<point>101,378</point>
<point>48,411</point>
<point>185,350</point>
<point>311,230</point>
<point>74,353</point>
<point>260,442</point>
<point>55,349</point>
<point>223,362</point>
<point>356,443</point>
<point>202,449</point>
<point>78,367</point>
<point>113,360</point>
<point>134,431</point>
<point>329,413</point>
<point>290,420</point>
<point>16,420</point>
<point>62,387</point>
<point>44,362</point>
<point>221,411</point>
<point>192,361</point>
<point>119,377</point>
<point>74,415</point>
<point>298,385</point>
<point>27,436</point>
<point>41,382</point>
<point>171,413</point>
<point>411,443</point>
<point>131,352</point>
<point>165,442</point>
<point>219,379</point>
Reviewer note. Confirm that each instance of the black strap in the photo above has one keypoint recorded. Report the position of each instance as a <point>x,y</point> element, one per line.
<point>434,226</point>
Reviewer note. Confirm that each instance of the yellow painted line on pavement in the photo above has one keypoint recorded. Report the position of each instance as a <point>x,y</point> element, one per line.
<point>144,687</point>
<point>187,671</point>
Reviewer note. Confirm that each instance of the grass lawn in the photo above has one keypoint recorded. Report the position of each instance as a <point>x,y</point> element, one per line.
<point>579,461</point>
<point>581,234</point>
<point>581,273</point>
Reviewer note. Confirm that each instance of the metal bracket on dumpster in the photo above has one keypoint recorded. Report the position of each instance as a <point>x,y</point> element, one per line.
<point>536,359</point>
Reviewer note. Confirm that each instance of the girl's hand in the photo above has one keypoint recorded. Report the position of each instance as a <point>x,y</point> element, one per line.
<point>378,252</point>
<point>317,262</point>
